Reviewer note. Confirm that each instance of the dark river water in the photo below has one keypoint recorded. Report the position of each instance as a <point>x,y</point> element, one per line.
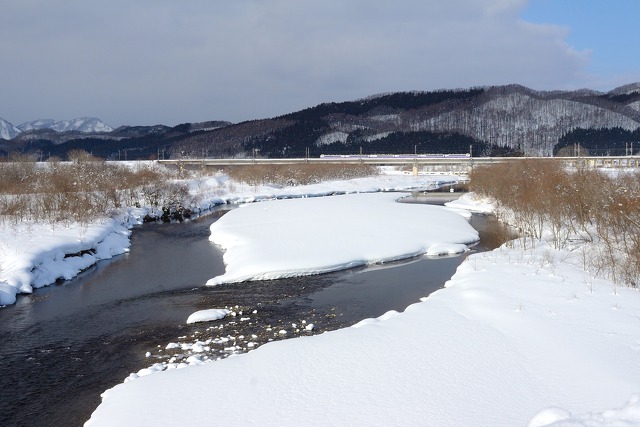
<point>65,344</point>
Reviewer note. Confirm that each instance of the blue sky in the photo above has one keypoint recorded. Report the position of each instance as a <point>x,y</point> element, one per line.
<point>609,30</point>
<point>147,62</point>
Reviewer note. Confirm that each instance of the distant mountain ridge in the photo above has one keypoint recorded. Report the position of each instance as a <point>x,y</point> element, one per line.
<point>82,124</point>
<point>493,120</point>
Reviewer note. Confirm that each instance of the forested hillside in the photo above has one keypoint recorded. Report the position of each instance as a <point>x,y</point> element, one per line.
<point>489,121</point>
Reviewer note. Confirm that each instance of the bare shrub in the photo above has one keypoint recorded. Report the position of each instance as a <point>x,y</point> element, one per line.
<point>79,156</point>
<point>80,190</point>
<point>537,195</point>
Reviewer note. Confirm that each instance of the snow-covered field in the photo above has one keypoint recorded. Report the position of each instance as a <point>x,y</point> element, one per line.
<point>517,337</point>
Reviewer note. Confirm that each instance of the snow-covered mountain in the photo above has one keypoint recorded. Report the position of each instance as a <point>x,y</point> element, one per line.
<point>7,130</point>
<point>82,124</point>
<point>629,89</point>
<point>37,125</point>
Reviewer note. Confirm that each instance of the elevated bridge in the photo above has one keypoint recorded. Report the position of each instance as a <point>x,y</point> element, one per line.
<point>447,163</point>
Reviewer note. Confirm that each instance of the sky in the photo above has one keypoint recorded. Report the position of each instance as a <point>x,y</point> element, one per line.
<point>164,62</point>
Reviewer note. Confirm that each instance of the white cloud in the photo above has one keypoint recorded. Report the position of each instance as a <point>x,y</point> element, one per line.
<point>148,61</point>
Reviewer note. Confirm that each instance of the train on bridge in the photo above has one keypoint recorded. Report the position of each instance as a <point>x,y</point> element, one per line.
<point>395,156</point>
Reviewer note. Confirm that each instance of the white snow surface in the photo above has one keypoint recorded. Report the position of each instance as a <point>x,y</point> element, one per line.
<point>226,191</point>
<point>517,337</point>
<point>297,237</point>
<point>33,255</point>
<point>207,315</point>
<point>470,202</point>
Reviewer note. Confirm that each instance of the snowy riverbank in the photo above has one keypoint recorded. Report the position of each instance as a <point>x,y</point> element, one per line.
<point>517,337</point>
<point>34,254</point>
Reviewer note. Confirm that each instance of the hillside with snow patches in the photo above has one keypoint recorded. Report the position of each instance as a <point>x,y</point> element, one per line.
<point>495,120</point>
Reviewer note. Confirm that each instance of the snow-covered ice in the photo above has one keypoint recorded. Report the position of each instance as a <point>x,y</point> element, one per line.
<point>285,238</point>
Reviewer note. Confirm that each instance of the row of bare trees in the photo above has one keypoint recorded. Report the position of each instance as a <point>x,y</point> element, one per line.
<point>298,174</point>
<point>543,200</point>
<point>80,190</point>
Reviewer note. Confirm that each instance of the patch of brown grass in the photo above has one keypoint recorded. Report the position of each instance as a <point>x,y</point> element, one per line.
<point>297,174</point>
<point>80,190</point>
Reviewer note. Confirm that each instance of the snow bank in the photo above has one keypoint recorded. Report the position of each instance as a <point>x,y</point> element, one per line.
<point>207,315</point>
<point>513,332</point>
<point>226,191</point>
<point>471,202</point>
<point>36,254</point>
<point>516,337</point>
<point>625,416</point>
<point>285,238</point>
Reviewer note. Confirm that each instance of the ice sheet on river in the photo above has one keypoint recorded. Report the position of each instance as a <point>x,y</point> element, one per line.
<point>284,238</point>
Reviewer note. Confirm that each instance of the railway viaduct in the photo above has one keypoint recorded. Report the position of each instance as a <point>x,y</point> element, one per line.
<point>457,164</point>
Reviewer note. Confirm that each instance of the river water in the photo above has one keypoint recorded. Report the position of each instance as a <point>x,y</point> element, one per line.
<point>65,344</point>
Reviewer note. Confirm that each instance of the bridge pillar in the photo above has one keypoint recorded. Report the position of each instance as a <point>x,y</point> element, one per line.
<point>415,169</point>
